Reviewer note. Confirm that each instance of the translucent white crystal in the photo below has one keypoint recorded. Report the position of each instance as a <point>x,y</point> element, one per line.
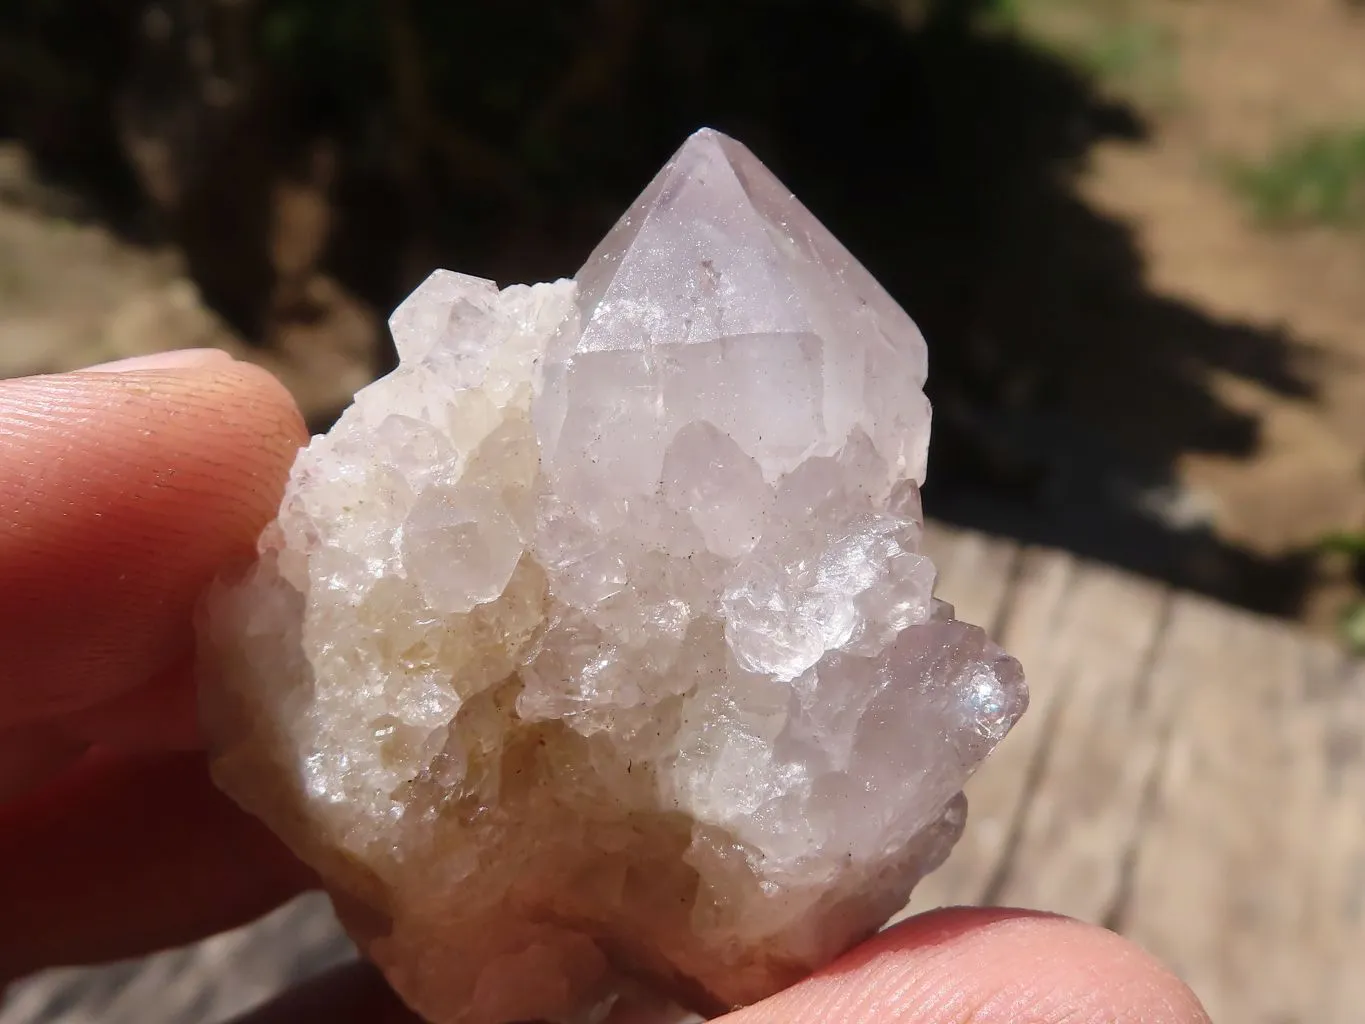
<point>595,641</point>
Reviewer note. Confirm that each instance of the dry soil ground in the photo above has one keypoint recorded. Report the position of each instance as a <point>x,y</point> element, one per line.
<point>1235,80</point>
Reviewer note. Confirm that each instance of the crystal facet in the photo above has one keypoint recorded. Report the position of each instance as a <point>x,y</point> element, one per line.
<point>594,646</point>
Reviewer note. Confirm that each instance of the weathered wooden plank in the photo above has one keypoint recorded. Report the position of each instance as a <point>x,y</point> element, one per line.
<point>1223,878</point>
<point>975,572</point>
<point>212,980</point>
<point>998,793</point>
<point>1333,747</point>
<point>1101,748</point>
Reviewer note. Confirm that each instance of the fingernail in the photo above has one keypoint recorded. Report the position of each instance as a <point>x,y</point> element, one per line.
<point>179,359</point>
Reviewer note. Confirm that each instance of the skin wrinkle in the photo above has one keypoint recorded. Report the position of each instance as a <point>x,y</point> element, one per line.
<point>161,715</point>
<point>123,856</point>
<point>30,755</point>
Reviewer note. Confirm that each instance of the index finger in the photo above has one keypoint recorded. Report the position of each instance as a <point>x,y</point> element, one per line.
<point>121,496</point>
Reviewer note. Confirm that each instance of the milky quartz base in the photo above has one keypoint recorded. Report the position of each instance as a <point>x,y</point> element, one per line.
<point>594,645</point>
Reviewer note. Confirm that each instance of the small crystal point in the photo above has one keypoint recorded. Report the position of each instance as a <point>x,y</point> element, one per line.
<point>720,290</point>
<point>594,645</point>
<point>717,247</point>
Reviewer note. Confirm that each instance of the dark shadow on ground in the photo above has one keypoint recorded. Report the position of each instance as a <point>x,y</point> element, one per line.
<point>503,140</point>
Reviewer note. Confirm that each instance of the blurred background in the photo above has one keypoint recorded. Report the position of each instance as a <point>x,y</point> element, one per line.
<point>1132,230</point>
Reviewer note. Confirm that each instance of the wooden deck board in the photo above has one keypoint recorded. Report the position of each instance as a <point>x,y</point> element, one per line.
<point>214,980</point>
<point>1334,698</point>
<point>1188,773</point>
<point>996,798</point>
<point>1087,799</point>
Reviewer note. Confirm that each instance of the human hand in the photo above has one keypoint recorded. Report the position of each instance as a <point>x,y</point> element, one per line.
<point>122,494</point>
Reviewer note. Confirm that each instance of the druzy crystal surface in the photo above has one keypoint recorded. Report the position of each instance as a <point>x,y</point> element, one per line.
<point>594,647</point>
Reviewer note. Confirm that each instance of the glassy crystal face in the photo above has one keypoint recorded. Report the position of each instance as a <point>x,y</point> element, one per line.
<point>594,647</point>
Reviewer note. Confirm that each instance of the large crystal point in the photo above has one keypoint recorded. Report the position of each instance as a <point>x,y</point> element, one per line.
<point>594,646</point>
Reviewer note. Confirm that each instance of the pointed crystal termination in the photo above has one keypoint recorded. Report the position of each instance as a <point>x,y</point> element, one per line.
<point>594,646</point>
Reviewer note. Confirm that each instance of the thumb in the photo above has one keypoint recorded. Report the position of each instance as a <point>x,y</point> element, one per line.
<point>987,966</point>
<point>960,966</point>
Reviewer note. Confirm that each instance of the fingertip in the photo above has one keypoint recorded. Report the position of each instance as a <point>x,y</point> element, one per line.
<point>260,391</point>
<point>174,359</point>
<point>988,966</point>
<point>208,383</point>
<point>121,495</point>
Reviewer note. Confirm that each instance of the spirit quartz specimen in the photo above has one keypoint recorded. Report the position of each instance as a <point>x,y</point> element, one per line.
<point>594,646</point>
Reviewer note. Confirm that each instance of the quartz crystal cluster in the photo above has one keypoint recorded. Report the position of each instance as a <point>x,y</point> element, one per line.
<point>594,646</point>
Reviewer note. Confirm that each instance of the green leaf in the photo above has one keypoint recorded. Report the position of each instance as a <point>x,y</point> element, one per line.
<point>1319,179</point>
<point>1352,627</point>
<point>1350,542</point>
